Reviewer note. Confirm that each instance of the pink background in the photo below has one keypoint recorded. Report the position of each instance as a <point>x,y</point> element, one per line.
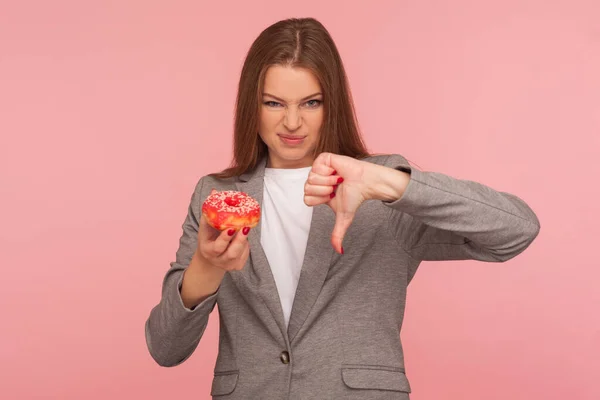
<point>111,111</point>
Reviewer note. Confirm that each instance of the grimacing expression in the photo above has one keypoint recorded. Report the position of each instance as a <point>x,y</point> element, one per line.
<point>291,115</point>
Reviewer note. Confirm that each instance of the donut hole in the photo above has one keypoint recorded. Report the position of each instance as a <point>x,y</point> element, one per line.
<point>232,201</point>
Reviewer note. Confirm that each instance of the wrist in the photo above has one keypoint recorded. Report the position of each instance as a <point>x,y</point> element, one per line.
<point>387,184</point>
<point>200,280</point>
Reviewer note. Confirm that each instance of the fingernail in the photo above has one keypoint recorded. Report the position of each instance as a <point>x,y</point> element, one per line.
<point>335,187</point>
<point>342,249</point>
<point>334,172</point>
<point>231,232</point>
<point>245,230</point>
<point>332,195</point>
<point>340,180</point>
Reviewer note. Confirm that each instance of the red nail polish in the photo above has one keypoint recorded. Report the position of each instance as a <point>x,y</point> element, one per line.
<point>335,187</point>
<point>332,195</point>
<point>334,172</point>
<point>340,180</point>
<point>245,230</point>
<point>231,232</point>
<point>342,249</point>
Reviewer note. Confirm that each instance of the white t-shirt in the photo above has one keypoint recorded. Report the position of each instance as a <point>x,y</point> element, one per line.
<point>285,223</point>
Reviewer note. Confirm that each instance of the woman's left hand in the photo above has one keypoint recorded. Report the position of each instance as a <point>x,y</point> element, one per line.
<point>344,183</point>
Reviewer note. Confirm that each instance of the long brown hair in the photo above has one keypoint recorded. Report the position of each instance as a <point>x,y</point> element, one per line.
<point>303,43</point>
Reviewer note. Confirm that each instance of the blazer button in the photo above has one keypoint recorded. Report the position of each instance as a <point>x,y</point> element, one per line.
<point>285,357</point>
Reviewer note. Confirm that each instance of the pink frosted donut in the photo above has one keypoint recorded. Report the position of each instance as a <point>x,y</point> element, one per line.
<point>231,209</point>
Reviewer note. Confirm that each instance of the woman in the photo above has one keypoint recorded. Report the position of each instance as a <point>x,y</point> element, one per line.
<point>311,301</point>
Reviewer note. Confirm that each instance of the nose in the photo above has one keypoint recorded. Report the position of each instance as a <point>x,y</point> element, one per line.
<point>292,120</point>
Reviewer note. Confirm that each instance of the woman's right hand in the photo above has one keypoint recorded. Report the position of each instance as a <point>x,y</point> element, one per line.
<point>227,250</point>
<point>216,253</point>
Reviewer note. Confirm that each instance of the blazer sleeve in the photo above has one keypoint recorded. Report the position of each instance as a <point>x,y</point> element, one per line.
<point>443,218</point>
<point>172,330</point>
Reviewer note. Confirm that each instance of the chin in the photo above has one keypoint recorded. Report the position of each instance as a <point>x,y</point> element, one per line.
<point>293,157</point>
<point>292,154</point>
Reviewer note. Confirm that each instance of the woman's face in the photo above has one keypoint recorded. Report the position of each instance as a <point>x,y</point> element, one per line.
<point>291,115</point>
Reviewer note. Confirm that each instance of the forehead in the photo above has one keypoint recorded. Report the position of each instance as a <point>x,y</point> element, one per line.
<point>290,84</point>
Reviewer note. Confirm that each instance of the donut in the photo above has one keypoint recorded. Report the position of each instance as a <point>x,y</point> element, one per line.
<point>230,209</point>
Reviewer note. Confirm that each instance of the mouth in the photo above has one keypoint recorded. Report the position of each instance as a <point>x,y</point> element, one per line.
<point>291,139</point>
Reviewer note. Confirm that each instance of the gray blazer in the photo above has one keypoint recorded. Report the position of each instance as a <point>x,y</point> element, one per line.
<point>343,339</point>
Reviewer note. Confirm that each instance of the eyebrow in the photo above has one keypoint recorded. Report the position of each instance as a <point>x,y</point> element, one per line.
<point>283,101</point>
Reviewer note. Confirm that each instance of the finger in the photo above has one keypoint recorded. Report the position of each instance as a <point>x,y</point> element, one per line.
<point>322,164</point>
<point>342,223</point>
<point>324,170</point>
<point>239,241</point>
<point>219,246</point>
<point>312,201</point>
<point>318,191</point>
<point>324,180</point>
<point>236,249</point>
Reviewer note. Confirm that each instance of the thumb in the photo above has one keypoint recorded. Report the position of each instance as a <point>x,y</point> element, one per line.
<point>342,223</point>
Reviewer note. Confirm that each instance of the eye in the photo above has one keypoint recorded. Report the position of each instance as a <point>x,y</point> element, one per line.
<point>313,103</point>
<point>271,104</point>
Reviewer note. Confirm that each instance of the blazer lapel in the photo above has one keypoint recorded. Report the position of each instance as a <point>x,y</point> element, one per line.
<point>258,274</point>
<point>315,266</point>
